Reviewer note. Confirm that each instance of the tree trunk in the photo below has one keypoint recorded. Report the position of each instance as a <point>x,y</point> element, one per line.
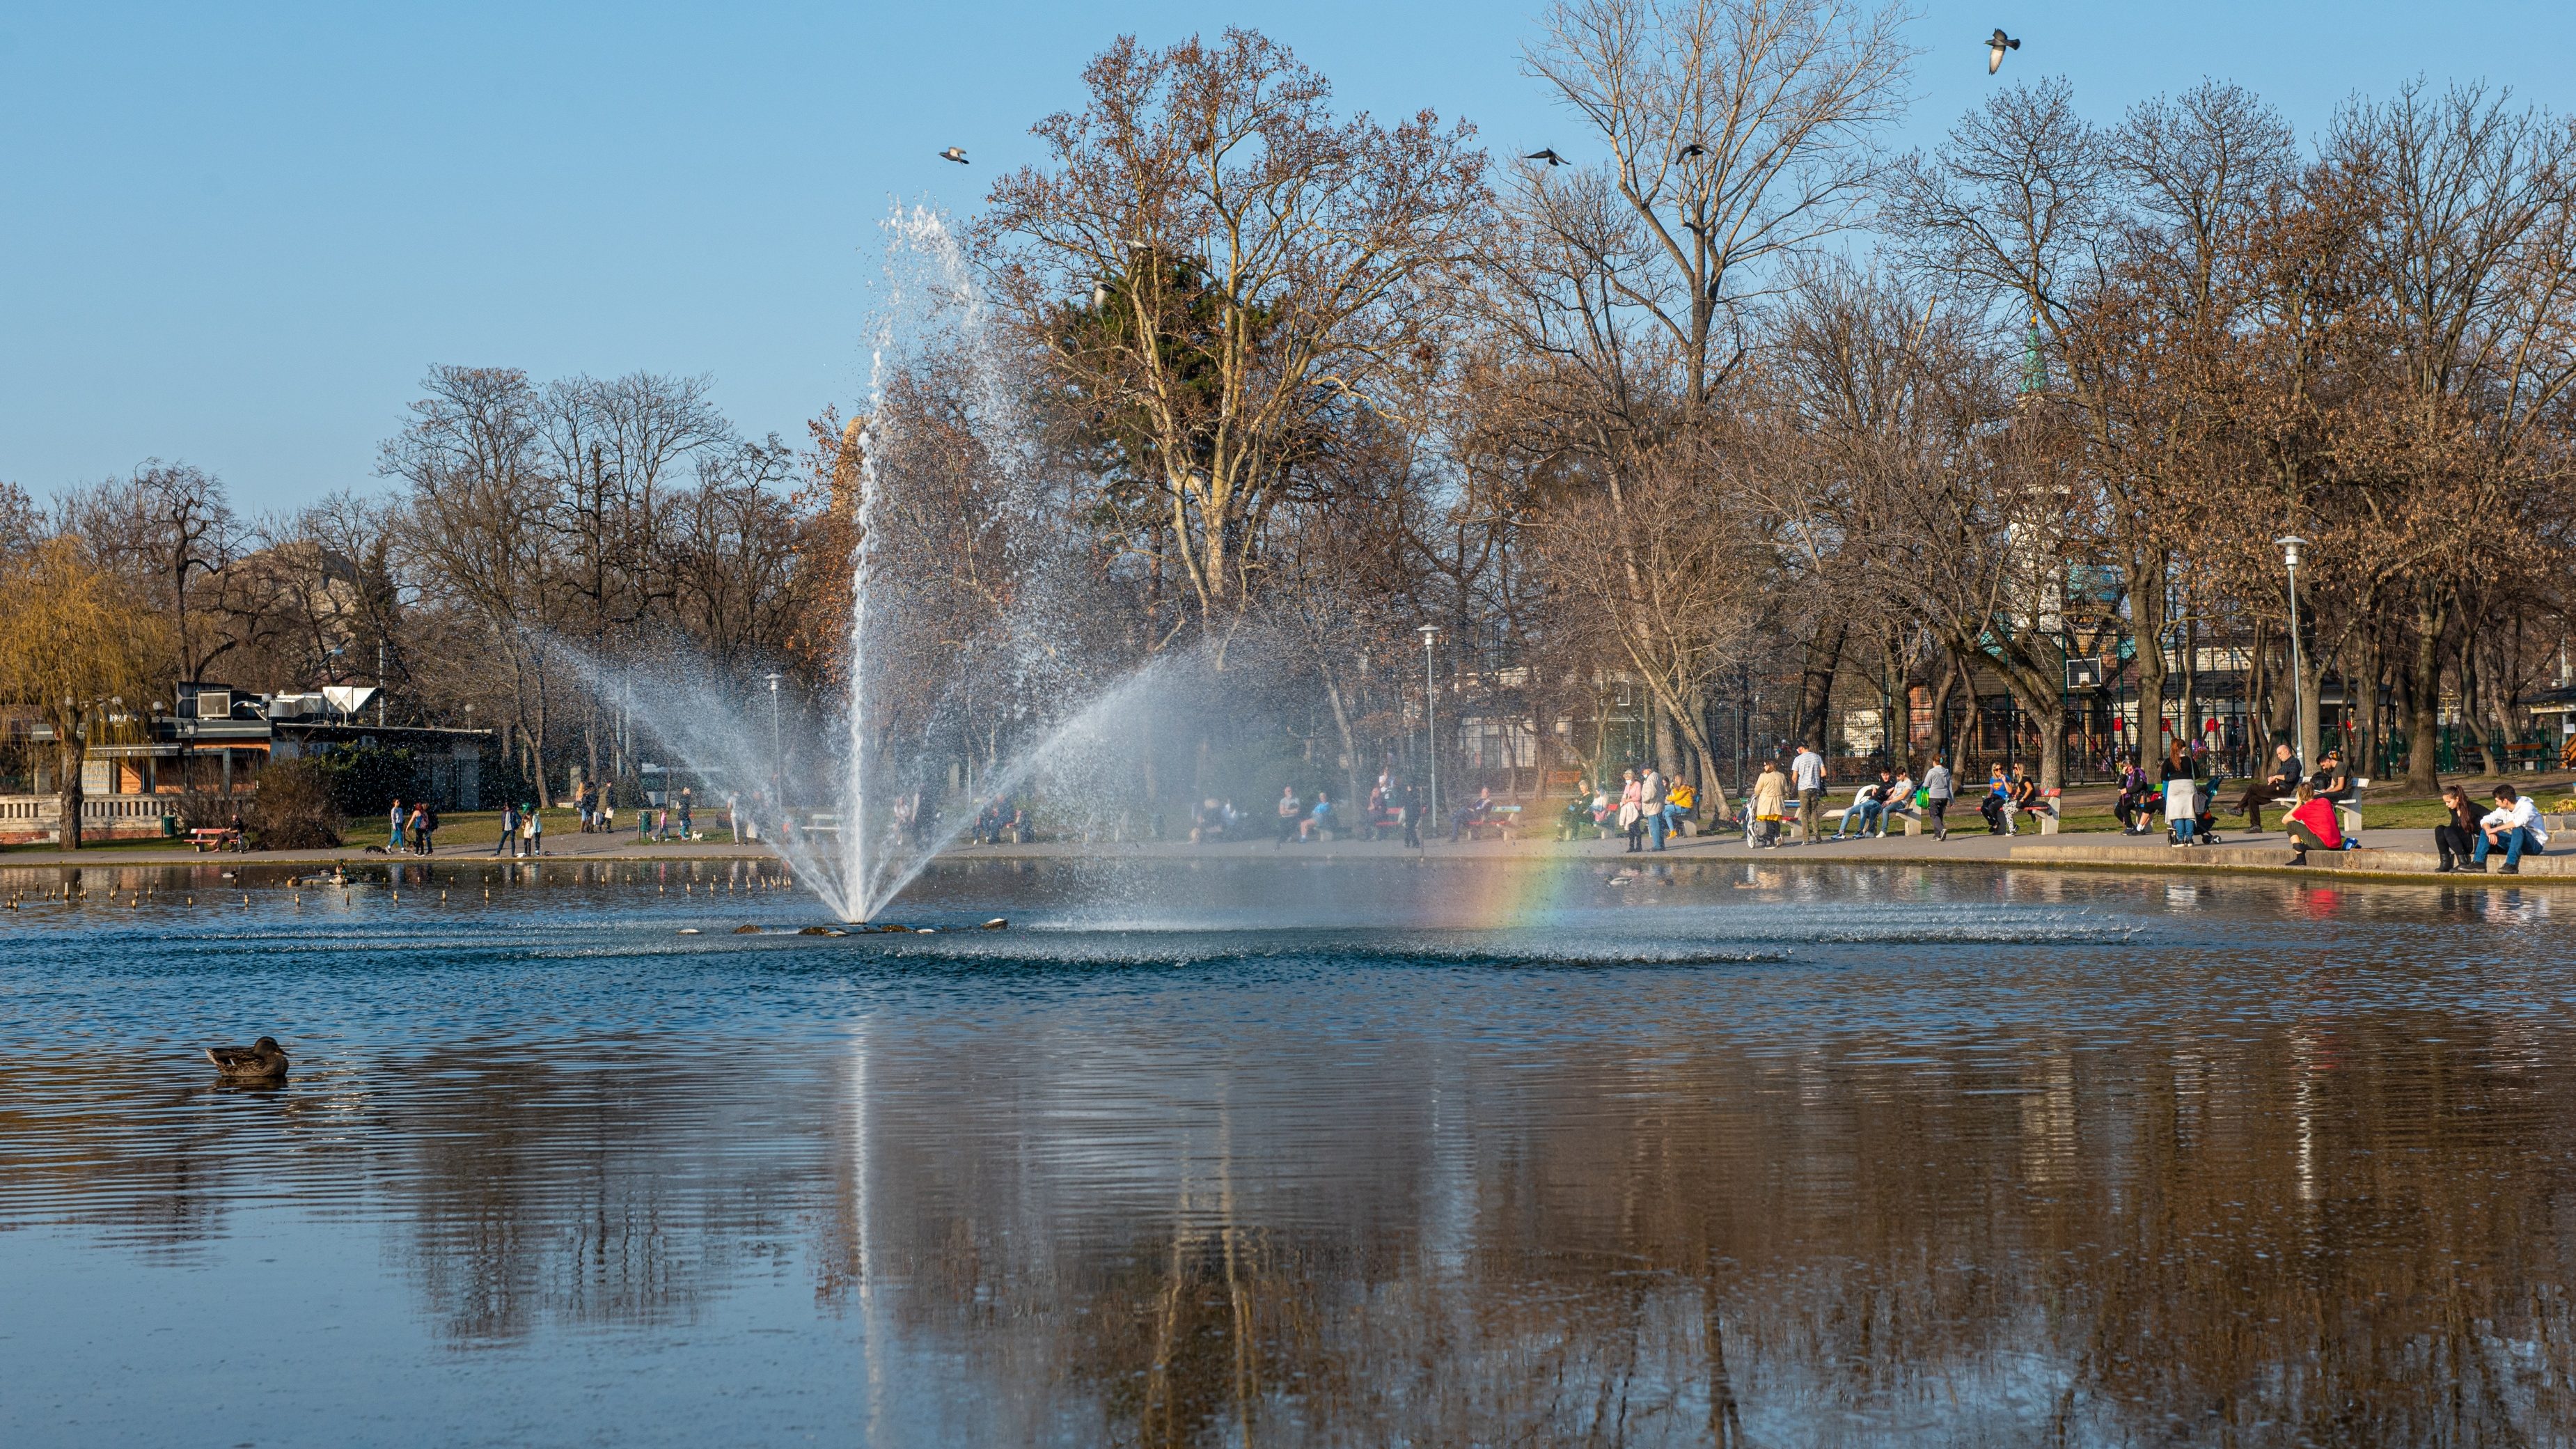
<point>2499,709</point>
<point>2422,777</point>
<point>2187,705</point>
<point>2474,701</point>
<point>2258,696</point>
<point>1354,798</point>
<point>2150,616</point>
<point>1667,758</point>
<point>1945,739</point>
<point>68,797</point>
<point>1816,684</point>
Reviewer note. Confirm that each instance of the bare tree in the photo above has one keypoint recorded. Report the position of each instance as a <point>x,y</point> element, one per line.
<point>1740,133</point>
<point>168,525</point>
<point>1213,257</point>
<point>477,527</point>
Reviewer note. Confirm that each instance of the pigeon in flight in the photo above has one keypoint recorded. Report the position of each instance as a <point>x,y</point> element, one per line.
<point>958,153</point>
<point>1996,45</point>
<point>1694,149</point>
<point>1548,155</point>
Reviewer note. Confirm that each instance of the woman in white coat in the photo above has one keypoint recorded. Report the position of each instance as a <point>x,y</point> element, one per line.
<point>2182,804</point>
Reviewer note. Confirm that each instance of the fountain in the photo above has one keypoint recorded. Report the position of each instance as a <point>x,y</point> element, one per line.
<point>1026,653</point>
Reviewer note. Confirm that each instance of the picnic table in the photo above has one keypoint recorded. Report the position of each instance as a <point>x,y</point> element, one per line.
<point>214,837</point>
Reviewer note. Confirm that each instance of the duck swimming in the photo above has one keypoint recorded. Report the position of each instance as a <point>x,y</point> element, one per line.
<point>262,1059</point>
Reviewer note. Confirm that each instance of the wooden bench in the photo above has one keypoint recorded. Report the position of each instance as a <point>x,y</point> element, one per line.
<point>1503,820</point>
<point>214,837</point>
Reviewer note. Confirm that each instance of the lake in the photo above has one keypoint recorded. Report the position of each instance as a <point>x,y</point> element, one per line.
<point>1290,1151</point>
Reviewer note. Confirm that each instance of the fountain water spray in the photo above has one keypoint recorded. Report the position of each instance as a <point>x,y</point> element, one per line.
<point>1027,654</point>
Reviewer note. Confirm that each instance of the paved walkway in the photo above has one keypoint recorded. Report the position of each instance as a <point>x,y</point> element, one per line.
<point>2392,852</point>
<point>2399,853</point>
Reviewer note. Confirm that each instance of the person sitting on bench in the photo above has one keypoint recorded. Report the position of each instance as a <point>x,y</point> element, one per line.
<point>2330,780</point>
<point>2276,784</point>
<point>1319,822</point>
<point>1475,813</point>
<point>2025,794</point>
<point>1865,809</point>
<point>2311,825</point>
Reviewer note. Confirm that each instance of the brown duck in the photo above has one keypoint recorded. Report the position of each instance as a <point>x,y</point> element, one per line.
<point>262,1059</point>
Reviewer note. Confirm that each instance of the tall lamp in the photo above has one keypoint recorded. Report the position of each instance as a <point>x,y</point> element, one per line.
<point>777,764</point>
<point>1430,730</point>
<point>2290,548</point>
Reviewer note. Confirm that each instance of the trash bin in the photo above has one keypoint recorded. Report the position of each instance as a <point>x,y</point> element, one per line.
<point>169,826</point>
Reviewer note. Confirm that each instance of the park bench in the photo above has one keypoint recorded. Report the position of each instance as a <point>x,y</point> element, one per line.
<point>214,837</point>
<point>1503,820</point>
<point>1906,813</point>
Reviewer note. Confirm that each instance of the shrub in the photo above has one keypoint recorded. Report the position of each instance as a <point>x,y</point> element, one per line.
<point>206,810</point>
<point>366,779</point>
<point>294,809</point>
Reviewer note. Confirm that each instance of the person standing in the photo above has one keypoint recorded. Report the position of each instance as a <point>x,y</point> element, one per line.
<point>2182,805</point>
<point>1650,799</point>
<point>2452,837</point>
<point>533,826</point>
<point>395,819</point>
<point>1409,801</point>
<point>607,810</point>
<point>508,844</point>
<point>1807,771</point>
<point>1632,810</point>
<point>1290,812</point>
<point>1768,805</point>
<point>1936,798</point>
<point>687,804</point>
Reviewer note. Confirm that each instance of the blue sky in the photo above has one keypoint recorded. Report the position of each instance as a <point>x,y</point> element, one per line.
<point>238,234</point>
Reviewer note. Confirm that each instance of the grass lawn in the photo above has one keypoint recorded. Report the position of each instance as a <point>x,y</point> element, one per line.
<point>2381,807</point>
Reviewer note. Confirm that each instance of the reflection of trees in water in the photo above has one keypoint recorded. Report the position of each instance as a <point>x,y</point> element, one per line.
<point>2009,1240</point>
<point>2260,1233</point>
<point>611,1192</point>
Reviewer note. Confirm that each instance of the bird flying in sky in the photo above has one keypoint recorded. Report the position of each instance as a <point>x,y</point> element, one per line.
<point>1996,45</point>
<point>958,153</point>
<point>1547,155</point>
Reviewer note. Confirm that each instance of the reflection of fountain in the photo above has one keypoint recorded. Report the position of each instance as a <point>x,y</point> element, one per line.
<point>876,844</point>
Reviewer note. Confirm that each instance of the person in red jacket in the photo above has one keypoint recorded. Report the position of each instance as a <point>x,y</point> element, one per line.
<point>2312,825</point>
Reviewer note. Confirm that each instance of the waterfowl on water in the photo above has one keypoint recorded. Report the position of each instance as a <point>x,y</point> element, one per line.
<point>262,1058</point>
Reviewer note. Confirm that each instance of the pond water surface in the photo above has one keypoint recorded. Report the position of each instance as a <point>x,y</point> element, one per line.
<point>1242,1152</point>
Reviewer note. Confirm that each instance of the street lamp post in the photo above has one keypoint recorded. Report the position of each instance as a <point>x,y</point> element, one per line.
<point>1430,730</point>
<point>2290,547</point>
<point>777,763</point>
